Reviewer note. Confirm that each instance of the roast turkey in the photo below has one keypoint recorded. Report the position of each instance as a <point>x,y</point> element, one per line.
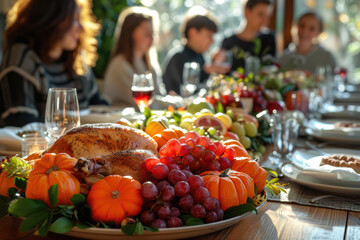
<point>129,162</point>
<point>93,140</point>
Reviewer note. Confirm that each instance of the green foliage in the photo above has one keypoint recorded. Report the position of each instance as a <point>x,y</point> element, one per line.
<point>106,12</point>
<point>189,220</point>
<point>240,210</point>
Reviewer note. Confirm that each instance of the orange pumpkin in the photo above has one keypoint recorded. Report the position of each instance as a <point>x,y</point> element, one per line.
<point>253,169</point>
<point>115,198</point>
<point>49,170</point>
<point>6,183</point>
<point>167,134</point>
<point>227,187</point>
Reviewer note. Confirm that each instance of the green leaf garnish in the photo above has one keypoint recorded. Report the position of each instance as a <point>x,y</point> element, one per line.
<point>77,199</point>
<point>53,193</point>
<point>139,229</point>
<point>189,220</point>
<point>20,183</point>
<point>239,210</point>
<point>129,229</point>
<point>62,225</point>
<point>25,207</point>
<point>151,229</point>
<point>34,220</point>
<point>271,171</point>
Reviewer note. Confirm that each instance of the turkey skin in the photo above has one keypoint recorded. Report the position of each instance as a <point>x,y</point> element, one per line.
<point>93,140</point>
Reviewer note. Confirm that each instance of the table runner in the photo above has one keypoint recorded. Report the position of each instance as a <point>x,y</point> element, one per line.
<point>302,195</point>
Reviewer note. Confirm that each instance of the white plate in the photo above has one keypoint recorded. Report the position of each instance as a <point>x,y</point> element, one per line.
<point>352,140</point>
<point>167,233</point>
<point>103,114</point>
<point>341,111</point>
<point>295,175</point>
<point>346,97</point>
<point>308,162</point>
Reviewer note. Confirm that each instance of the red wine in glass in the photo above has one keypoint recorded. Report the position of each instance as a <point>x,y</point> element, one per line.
<point>142,95</point>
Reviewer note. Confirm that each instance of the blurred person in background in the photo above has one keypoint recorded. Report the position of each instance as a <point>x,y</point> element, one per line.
<point>254,39</point>
<point>306,53</point>
<point>198,30</point>
<point>132,54</point>
<point>47,44</point>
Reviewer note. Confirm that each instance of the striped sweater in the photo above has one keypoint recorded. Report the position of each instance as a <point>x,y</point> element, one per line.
<point>25,81</point>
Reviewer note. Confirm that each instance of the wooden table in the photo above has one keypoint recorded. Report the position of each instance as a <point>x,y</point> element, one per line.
<point>274,221</point>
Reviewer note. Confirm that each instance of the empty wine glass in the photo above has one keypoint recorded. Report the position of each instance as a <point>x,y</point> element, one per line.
<point>191,79</point>
<point>142,89</point>
<point>62,111</point>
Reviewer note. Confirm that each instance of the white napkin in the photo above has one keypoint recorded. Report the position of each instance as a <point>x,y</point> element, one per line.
<point>9,140</point>
<point>310,165</point>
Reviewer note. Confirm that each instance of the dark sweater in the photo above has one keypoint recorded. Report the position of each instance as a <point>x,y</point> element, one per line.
<point>174,64</point>
<point>25,81</point>
<point>263,45</point>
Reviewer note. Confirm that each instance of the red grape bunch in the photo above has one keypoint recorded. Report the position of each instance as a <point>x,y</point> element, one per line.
<point>197,154</point>
<point>174,192</point>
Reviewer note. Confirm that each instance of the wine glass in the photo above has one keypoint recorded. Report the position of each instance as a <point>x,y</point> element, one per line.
<point>142,89</point>
<point>62,111</point>
<point>191,79</point>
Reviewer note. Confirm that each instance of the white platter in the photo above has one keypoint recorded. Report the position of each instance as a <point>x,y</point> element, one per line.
<point>295,175</point>
<point>167,233</point>
<point>104,114</point>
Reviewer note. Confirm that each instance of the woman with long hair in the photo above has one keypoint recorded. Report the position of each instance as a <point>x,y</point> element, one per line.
<point>47,44</point>
<point>132,54</point>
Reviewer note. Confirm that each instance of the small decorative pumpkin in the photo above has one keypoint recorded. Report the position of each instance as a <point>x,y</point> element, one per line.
<point>253,169</point>
<point>114,198</point>
<point>6,182</point>
<point>227,187</point>
<point>53,169</point>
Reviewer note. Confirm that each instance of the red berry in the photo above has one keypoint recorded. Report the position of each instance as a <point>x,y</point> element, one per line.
<point>147,217</point>
<point>184,149</point>
<point>173,166</point>
<point>167,160</point>
<point>182,188</point>
<point>214,166</point>
<point>209,156</point>
<point>162,184</point>
<point>190,142</point>
<point>160,171</point>
<point>175,212</point>
<point>198,151</point>
<point>195,182</point>
<point>176,175</point>
<point>163,151</point>
<point>158,223</point>
<point>182,139</point>
<point>174,222</point>
<point>212,147</point>
<point>167,193</point>
<point>186,202</point>
<point>203,141</point>
<point>195,165</point>
<point>211,204</point>
<point>151,162</point>
<point>220,214</point>
<point>187,160</point>
<point>187,173</point>
<point>173,146</point>
<point>192,135</point>
<point>198,211</point>
<point>164,212</point>
<point>200,194</point>
<point>224,163</point>
<point>149,191</point>
<point>220,148</point>
<point>210,217</point>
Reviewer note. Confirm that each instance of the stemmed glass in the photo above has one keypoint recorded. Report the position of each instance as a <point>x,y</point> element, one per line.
<point>142,89</point>
<point>62,111</point>
<point>191,79</point>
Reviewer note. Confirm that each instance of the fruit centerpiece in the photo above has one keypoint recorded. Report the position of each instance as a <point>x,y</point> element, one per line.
<point>114,176</point>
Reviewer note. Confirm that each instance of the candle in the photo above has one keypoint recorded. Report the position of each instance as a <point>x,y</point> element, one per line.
<point>33,143</point>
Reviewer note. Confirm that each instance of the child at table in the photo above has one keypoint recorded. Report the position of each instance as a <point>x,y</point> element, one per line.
<point>307,54</point>
<point>198,30</point>
<point>132,53</point>
<point>254,39</point>
<point>47,44</point>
